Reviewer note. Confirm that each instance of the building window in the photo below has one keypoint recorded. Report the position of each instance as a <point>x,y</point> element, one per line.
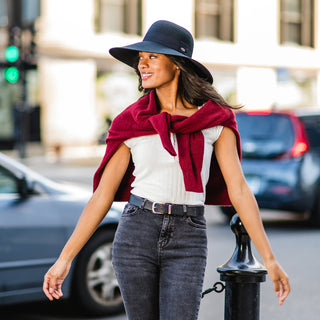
<point>297,22</point>
<point>119,16</point>
<point>3,13</point>
<point>296,88</point>
<point>30,12</point>
<point>214,19</point>
<point>22,14</point>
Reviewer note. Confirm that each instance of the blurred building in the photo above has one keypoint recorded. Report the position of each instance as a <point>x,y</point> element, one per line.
<point>262,54</point>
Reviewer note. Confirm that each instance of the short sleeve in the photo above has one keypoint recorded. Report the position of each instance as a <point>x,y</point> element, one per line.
<point>212,134</point>
<point>129,143</point>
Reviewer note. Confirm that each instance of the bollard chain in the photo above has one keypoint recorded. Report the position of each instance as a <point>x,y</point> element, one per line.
<point>217,287</point>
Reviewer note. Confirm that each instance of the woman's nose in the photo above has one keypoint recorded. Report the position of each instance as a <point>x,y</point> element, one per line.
<point>142,63</point>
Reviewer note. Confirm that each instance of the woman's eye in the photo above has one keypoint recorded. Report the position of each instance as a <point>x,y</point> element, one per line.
<point>151,56</point>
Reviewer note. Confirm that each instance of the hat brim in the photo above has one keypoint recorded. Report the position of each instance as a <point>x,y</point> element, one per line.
<point>128,55</point>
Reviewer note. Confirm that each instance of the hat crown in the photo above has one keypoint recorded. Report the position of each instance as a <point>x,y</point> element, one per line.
<point>172,36</point>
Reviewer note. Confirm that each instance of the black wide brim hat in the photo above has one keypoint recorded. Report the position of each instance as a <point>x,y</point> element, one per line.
<point>167,38</point>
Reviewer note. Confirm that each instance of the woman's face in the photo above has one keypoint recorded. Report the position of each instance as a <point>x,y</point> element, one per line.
<point>156,70</point>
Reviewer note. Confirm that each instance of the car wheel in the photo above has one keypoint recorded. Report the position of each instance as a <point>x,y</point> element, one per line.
<point>315,214</point>
<point>95,287</point>
<point>229,212</point>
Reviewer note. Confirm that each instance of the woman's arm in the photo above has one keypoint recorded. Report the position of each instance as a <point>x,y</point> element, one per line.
<point>92,215</point>
<point>246,206</point>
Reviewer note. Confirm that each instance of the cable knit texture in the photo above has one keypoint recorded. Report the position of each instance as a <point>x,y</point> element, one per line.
<point>141,118</point>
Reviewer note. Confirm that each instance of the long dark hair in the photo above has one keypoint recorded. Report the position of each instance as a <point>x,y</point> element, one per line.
<point>194,89</point>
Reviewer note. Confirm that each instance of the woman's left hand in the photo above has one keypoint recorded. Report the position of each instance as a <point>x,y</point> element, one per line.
<point>245,204</point>
<point>280,280</point>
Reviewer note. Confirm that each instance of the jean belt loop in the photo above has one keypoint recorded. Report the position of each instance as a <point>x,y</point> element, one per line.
<point>185,208</point>
<point>143,204</point>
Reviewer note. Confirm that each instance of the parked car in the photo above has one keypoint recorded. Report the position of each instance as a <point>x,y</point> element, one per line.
<point>281,160</point>
<point>37,216</point>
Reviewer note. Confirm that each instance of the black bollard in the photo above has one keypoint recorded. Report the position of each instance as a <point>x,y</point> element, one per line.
<point>242,274</point>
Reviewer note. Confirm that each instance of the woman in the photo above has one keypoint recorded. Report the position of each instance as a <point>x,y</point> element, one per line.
<point>165,141</point>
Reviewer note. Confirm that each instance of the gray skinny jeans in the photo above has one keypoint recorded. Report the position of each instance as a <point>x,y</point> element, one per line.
<point>159,261</point>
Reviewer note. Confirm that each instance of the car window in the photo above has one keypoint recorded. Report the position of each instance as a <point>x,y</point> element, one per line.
<point>8,182</point>
<point>312,126</point>
<point>265,135</point>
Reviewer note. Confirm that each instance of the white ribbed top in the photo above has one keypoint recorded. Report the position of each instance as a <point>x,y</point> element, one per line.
<point>158,176</point>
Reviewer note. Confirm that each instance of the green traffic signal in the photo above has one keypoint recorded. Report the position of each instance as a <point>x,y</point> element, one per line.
<point>12,54</point>
<point>11,74</point>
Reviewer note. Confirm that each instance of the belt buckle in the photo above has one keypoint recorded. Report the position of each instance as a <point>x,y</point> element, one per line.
<point>153,207</point>
<point>158,212</point>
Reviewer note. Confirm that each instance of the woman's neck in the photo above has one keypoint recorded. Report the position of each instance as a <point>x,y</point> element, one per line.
<point>171,102</point>
<point>168,100</point>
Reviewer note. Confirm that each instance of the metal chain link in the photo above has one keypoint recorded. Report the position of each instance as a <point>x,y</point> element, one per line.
<point>217,287</point>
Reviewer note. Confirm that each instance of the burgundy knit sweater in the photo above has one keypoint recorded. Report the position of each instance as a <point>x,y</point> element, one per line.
<point>142,118</point>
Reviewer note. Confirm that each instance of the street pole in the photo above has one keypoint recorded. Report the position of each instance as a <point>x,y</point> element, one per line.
<point>243,275</point>
<point>21,109</point>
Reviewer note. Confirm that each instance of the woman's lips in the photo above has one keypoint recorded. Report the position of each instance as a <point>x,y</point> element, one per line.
<point>145,75</point>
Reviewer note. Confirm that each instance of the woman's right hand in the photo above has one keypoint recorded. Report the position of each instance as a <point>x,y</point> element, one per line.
<point>92,215</point>
<point>54,278</point>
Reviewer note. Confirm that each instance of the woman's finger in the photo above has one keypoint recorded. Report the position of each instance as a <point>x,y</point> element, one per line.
<point>284,291</point>
<point>54,287</point>
<point>45,287</point>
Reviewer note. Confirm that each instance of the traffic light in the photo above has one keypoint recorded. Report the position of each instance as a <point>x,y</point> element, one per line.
<point>18,58</point>
<point>11,72</point>
<point>12,55</point>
